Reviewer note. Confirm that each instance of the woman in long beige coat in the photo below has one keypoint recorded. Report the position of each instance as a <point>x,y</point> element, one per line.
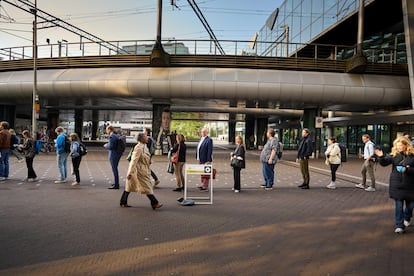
<point>139,174</point>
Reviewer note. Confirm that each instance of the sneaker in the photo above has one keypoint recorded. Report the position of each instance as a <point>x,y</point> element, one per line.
<point>399,230</point>
<point>60,181</point>
<point>361,186</point>
<point>75,184</point>
<point>236,191</point>
<point>407,223</point>
<point>32,179</point>
<point>263,186</point>
<point>331,186</point>
<point>2,178</point>
<point>268,188</point>
<point>370,189</point>
<point>156,182</point>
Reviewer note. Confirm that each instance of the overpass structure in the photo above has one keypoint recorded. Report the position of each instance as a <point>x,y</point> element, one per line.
<point>264,89</point>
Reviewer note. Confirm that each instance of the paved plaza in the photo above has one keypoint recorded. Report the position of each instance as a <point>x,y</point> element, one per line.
<point>54,229</point>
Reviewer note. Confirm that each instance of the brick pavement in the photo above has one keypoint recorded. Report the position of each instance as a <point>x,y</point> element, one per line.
<point>51,229</point>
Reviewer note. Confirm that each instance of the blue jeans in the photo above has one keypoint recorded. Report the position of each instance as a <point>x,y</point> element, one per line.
<point>62,162</point>
<point>4,163</point>
<point>114,158</point>
<point>268,174</point>
<point>402,214</point>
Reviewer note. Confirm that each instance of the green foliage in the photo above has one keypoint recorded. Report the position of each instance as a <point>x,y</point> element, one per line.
<point>190,129</point>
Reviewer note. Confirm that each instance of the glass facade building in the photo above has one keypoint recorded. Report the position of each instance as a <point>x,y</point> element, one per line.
<point>297,23</point>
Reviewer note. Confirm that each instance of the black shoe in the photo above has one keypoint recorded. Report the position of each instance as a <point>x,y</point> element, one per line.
<point>114,188</point>
<point>302,185</point>
<point>305,187</point>
<point>177,189</point>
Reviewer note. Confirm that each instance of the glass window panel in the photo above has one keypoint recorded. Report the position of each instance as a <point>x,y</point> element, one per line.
<point>306,13</point>
<point>317,9</point>
<point>329,18</point>
<point>328,4</point>
<point>316,27</point>
<point>305,35</point>
<point>295,28</point>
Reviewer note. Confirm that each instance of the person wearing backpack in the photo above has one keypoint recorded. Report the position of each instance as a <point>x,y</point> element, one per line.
<point>333,159</point>
<point>114,155</point>
<point>75,153</point>
<point>28,147</point>
<point>151,148</point>
<point>62,153</point>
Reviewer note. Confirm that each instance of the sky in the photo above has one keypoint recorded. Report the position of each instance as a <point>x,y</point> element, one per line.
<point>117,20</point>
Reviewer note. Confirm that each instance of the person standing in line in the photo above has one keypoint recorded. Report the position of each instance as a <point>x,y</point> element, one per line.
<point>76,157</point>
<point>113,155</point>
<point>333,159</point>
<point>204,155</point>
<point>139,175</point>
<point>268,157</point>
<point>29,149</point>
<point>240,154</point>
<point>14,145</point>
<point>5,138</point>
<point>178,167</point>
<point>305,150</point>
<point>151,146</point>
<point>368,165</point>
<point>62,155</point>
<point>401,180</point>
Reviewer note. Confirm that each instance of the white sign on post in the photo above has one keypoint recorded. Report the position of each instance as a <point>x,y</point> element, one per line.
<point>199,169</point>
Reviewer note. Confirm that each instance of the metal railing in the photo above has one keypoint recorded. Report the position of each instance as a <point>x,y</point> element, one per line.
<point>205,47</point>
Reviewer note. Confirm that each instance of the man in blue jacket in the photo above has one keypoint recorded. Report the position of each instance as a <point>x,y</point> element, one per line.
<point>305,150</point>
<point>113,155</point>
<point>61,155</point>
<point>204,155</point>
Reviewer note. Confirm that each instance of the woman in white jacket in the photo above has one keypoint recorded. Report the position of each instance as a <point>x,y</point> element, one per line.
<point>333,159</point>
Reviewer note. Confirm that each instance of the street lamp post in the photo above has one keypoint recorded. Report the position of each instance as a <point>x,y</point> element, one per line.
<point>35,98</point>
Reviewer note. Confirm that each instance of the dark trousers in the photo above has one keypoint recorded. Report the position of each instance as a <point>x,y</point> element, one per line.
<point>304,169</point>
<point>114,158</point>
<point>76,163</point>
<point>30,171</point>
<point>334,168</point>
<point>236,176</point>
<point>125,194</point>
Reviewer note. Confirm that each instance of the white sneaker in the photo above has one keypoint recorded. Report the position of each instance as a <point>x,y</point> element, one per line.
<point>75,184</point>
<point>236,191</point>
<point>2,178</point>
<point>331,186</point>
<point>32,179</point>
<point>361,186</point>
<point>406,223</point>
<point>399,230</point>
<point>370,189</point>
<point>60,181</point>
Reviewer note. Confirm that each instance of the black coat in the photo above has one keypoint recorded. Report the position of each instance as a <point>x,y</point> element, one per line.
<point>240,152</point>
<point>183,151</point>
<point>401,184</point>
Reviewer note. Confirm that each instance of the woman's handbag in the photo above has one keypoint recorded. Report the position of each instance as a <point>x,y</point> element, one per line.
<point>174,158</point>
<point>236,163</point>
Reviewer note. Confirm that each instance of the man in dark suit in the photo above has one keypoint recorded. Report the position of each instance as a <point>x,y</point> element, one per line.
<point>204,155</point>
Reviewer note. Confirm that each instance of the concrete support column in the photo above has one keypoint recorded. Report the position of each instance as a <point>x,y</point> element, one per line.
<point>408,18</point>
<point>250,138</point>
<point>8,113</point>
<point>261,126</point>
<point>52,119</point>
<point>95,124</point>
<point>232,124</point>
<point>161,121</point>
<point>309,116</point>
<point>79,122</point>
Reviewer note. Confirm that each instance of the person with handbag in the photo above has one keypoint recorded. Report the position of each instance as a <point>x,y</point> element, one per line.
<point>29,150</point>
<point>179,152</point>
<point>139,174</point>
<point>238,162</point>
